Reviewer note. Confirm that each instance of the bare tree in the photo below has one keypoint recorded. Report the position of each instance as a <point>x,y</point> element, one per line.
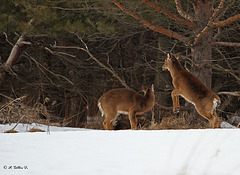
<point>13,56</point>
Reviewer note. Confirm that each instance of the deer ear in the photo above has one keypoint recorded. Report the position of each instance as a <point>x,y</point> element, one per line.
<point>178,55</point>
<point>152,87</point>
<point>169,56</point>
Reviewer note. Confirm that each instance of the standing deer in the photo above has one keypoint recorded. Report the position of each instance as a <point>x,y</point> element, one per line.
<point>125,101</point>
<point>193,90</point>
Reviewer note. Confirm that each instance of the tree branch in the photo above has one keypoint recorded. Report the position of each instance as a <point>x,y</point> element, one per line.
<point>226,22</point>
<point>218,67</point>
<point>102,65</point>
<point>14,52</point>
<point>169,14</point>
<point>42,68</point>
<point>76,9</point>
<point>95,59</point>
<point>151,26</point>
<point>13,56</point>
<point>231,71</point>
<point>237,93</point>
<point>226,44</point>
<point>182,108</point>
<point>182,12</point>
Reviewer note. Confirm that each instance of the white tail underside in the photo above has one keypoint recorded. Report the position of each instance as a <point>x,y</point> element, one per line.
<point>100,108</point>
<point>215,104</point>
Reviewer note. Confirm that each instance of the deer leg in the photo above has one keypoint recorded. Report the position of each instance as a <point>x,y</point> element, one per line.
<point>108,125</point>
<point>109,121</point>
<point>212,118</point>
<point>216,123</point>
<point>133,119</point>
<point>175,100</point>
<point>207,112</point>
<point>213,121</point>
<point>177,107</point>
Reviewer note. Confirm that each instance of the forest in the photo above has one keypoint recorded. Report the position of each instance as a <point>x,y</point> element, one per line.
<point>58,57</point>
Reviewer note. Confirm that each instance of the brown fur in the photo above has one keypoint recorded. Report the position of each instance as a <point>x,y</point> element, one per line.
<point>193,90</point>
<point>125,101</point>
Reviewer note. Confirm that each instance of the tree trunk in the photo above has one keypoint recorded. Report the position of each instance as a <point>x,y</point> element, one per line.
<point>13,57</point>
<point>160,96</point>
<point>201,57</point>
<point>202,51</point>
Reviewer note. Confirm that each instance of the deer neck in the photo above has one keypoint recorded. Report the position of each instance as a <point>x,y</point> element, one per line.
<point>149,96</point>
<point>175,68</point>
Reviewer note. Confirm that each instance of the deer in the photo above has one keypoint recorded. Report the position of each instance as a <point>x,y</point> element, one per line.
<point>125,101</point>
<point>193,90</point>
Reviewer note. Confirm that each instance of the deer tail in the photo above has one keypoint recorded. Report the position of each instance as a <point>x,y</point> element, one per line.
<point>216,103</point>
<point>100,108</point>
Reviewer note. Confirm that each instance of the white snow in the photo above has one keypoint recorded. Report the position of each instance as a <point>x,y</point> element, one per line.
<point>70,151</point>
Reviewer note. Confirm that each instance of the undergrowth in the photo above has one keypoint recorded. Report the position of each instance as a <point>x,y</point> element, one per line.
<point>16,111</point>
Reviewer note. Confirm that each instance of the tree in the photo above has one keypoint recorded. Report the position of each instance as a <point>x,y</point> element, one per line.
<point>198,26</point>
<point>201,21</point>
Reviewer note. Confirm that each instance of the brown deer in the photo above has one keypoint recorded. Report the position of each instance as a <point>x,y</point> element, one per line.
<point>125,101</point>
<point>194,91</point>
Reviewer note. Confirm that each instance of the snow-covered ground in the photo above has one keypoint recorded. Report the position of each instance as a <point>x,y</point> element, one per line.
<point>70,151</point>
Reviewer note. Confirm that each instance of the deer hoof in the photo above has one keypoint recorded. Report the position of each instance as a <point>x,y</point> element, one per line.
<point>176,111</point>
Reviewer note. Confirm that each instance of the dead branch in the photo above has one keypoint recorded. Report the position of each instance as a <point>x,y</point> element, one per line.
<point>169,14</point>
<point>217,35</point>
<point>95,59</point>
<point>218,67</point>
<point>102,65</point>
<point>14,55</point>
<point>42,68</point>
<point>231,70</point>
<point>60,53</point>
<point>16,111</point>
<point>182,12</point>
<point>237,93</point>
<point>230,44</point>
<point>77,9</point>
<point>159,29</point>
<point>183,108</point>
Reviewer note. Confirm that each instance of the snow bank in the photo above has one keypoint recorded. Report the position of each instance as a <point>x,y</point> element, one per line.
<point>90,152</point>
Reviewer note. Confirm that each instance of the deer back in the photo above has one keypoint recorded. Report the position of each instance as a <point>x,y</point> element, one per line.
<point>122,100</point>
